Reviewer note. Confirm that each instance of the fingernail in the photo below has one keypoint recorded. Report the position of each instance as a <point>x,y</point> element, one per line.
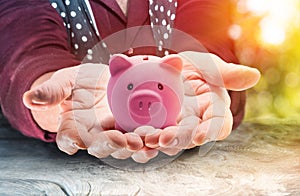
<point>39,102</point>
<point>171,144</point>
<point>206,140</point>
<point>78,146</point>
<point>110,146</point>
<point>175,142</point>
<point>152,140</point>
<point>152,145</point>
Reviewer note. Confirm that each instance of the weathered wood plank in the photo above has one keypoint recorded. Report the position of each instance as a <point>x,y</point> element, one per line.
<point>257,159</point>
<point>6,131</point>
<point>29,187</point>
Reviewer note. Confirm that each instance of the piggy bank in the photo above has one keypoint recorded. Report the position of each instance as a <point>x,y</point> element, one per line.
<point>145,90</point>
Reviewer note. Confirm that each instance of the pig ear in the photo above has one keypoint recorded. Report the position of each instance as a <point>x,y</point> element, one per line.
<point>118,63</point>
<point>172,61</point>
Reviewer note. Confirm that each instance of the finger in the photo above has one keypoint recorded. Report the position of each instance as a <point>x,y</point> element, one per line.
<point>239,77</point>
<point>81,127</point>
<point>134,142</point>
<point>122,154</point>
<point>107,142</point>
<point>148,134</point>
<point>214,128</point>
<point>217,72</point>
<point>152,139</point>
<point>180,136</point>
<point>144,155</point>
<point>143,131</point>
<point>170,151</point>
<point>52,91</point>
<point>68,140</point>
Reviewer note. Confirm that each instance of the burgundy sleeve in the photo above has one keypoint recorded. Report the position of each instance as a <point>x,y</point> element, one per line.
<point>208,21</point>
<point>33,42</point>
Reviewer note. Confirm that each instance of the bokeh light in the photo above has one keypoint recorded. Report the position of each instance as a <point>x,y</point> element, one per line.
<point>267,36</point>
<point>272,32</point>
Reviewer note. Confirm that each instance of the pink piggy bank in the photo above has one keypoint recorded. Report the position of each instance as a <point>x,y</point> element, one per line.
<point>145,90</point>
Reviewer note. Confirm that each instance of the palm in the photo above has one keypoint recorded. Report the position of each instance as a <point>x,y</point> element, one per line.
<point>206,114</point>
<point>85,119</point>
<point>86,112</point>
<point>205,117</point>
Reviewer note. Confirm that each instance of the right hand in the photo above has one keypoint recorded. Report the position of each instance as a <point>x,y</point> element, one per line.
<point>206,114</point>
<point>85,120</point>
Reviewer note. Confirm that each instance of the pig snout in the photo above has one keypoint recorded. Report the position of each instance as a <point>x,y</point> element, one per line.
<point>143,104</point>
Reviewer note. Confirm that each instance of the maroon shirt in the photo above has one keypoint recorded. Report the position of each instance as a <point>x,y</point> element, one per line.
<point>34,41</point>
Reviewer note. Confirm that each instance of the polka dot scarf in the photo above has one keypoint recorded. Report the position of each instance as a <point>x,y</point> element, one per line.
<point>162,15</point>
<point>83,34</point>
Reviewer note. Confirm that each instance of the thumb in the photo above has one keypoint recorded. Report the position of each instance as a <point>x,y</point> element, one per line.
<point>217,72</point>
<point>239,77</point>
<point>51,92</point>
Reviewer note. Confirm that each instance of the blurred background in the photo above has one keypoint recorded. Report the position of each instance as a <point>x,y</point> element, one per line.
<point>267,35</point>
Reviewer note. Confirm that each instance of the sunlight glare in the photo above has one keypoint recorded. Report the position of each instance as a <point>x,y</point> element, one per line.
<point>279,16</point>
<point>258,6</point>
<point>272,33</point>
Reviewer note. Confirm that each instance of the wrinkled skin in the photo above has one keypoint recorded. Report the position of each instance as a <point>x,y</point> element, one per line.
<point>77,97</point>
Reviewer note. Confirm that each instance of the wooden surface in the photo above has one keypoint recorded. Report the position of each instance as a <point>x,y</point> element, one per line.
<point>260,158</point>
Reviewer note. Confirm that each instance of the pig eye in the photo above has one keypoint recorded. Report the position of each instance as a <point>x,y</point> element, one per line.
<point>130,86</point>
<point>160,86</point>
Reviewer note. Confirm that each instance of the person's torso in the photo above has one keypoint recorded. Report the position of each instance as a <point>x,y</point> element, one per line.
<point>98,28</point>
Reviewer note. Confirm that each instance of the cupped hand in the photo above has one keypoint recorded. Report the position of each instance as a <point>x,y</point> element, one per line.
<point>85,120</point>
<point>87,123</point>
<point>206,114</point>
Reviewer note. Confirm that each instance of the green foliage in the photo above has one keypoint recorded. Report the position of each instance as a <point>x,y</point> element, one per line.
<point>278,92</point>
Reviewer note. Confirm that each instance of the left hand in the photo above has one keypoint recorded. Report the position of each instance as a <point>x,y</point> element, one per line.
<point>206,114</point>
